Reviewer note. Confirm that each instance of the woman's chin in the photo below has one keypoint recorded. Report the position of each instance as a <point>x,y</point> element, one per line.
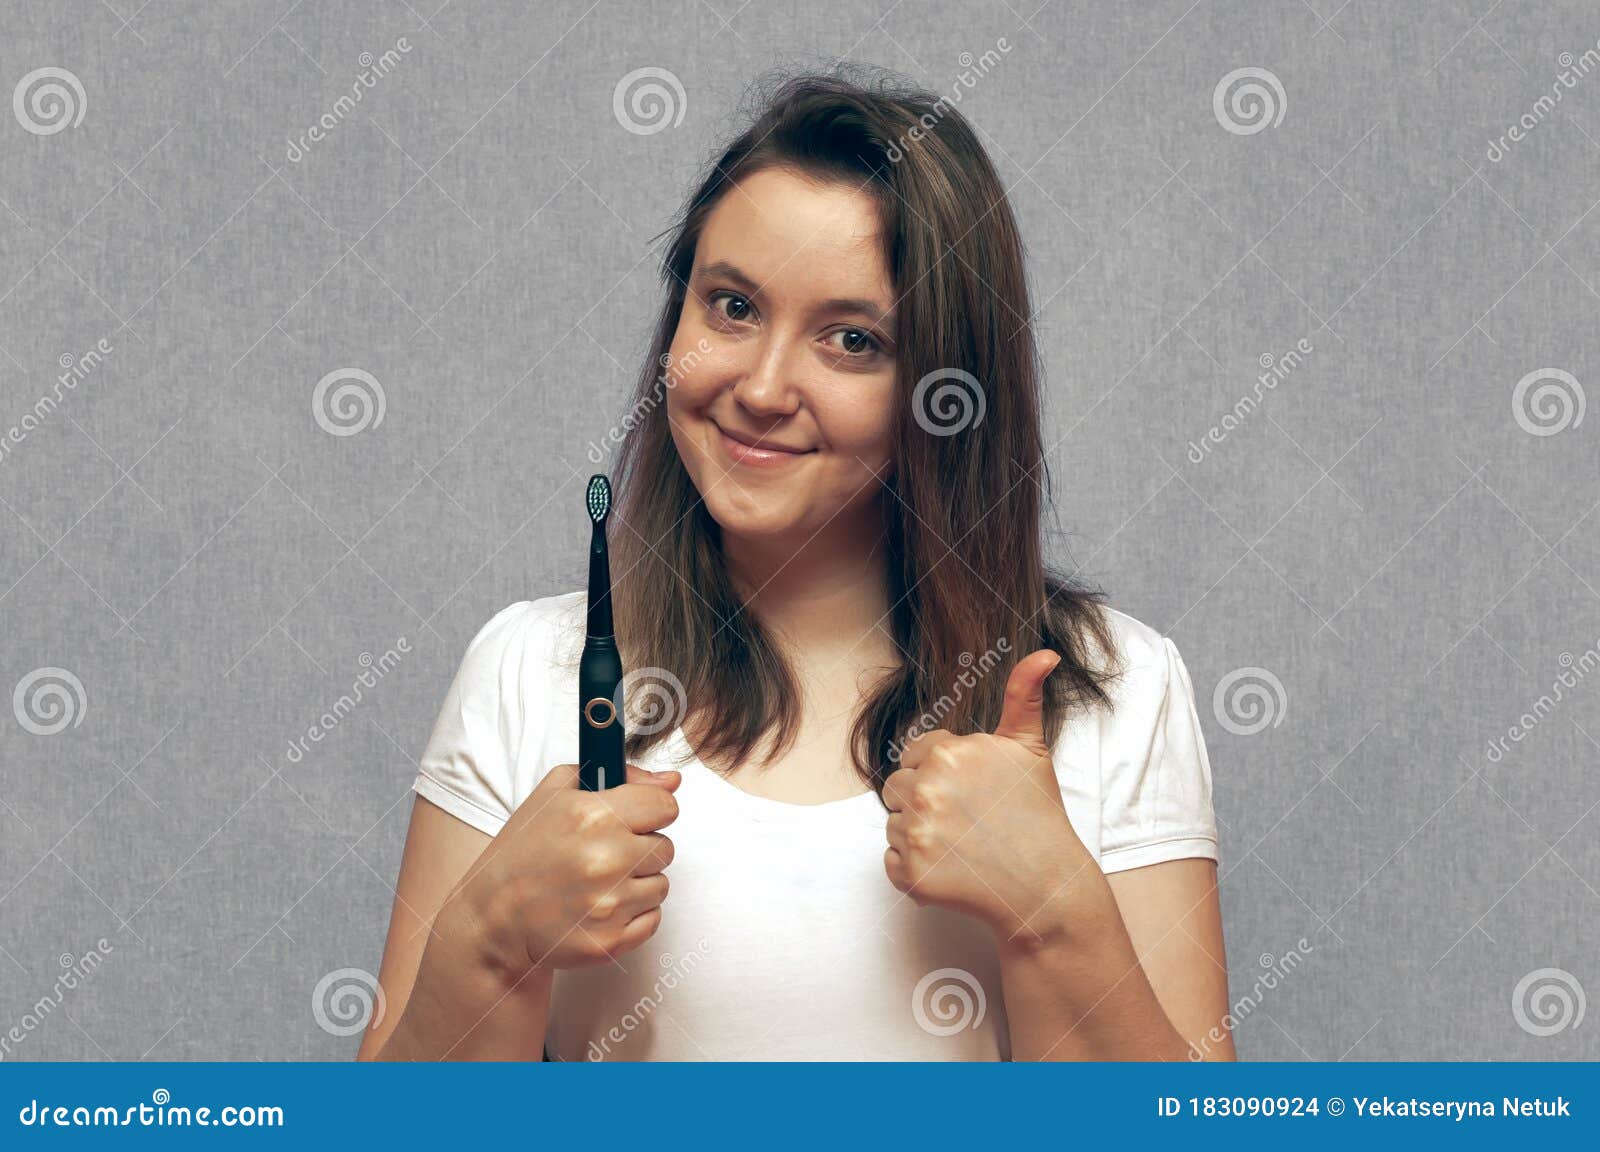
<point>748,528</point>
<point>755,519</point>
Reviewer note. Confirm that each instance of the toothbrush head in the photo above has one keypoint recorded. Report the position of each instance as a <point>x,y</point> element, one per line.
<point>599,498</point>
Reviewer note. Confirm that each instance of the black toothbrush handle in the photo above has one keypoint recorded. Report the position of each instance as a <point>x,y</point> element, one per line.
<point>600,728</point>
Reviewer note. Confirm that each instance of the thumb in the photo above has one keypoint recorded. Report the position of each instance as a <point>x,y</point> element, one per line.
<point>668,779</point>
<point>1022,715</point>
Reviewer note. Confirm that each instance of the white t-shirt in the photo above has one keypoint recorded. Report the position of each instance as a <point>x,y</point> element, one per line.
<point>781,937</point>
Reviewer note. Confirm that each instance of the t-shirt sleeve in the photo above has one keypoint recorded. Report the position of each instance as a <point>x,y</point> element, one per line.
<point>469,766</point>
<point>1156,782</point>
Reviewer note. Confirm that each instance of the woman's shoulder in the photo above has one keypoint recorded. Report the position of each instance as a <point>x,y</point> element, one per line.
<point>1136,776</point>
<point>1147,682</point>
<point>1138,645</point>
<point>1134,646</point>
<point>538,630</point>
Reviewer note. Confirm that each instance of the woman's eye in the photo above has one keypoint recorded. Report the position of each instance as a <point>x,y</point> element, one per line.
<point>740,305</point>
<point>857,343</point>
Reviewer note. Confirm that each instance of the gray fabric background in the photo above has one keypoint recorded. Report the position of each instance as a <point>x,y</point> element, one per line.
<point>1383,566</point>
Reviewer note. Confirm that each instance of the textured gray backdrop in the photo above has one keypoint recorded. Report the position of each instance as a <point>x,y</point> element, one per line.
<point>282,410</point>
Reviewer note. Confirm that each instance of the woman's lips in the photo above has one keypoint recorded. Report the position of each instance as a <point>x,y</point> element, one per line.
<point>740,453</point>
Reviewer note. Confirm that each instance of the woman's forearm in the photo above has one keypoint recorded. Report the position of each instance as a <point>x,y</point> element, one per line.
<point>1077,992</point>
<point>460,1008</point>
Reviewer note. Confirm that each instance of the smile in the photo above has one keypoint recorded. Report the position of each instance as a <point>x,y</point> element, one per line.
<point>765,456</point>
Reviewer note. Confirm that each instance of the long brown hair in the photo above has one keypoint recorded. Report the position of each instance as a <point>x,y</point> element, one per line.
<point>969,589</point>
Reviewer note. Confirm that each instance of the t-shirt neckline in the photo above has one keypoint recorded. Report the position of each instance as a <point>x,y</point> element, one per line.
<point>765,807</point>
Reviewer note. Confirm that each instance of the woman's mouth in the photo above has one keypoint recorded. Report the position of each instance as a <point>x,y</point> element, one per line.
<point>763,456</point>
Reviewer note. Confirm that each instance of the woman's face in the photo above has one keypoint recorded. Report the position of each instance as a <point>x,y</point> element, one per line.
<point>785,343</point>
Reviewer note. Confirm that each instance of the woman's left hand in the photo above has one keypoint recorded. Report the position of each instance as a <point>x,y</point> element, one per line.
<point>977,823</point>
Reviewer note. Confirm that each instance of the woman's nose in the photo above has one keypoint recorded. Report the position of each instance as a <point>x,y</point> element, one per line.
<point>767,386</point>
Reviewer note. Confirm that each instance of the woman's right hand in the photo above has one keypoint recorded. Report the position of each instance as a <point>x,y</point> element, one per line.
<point>574,878</point>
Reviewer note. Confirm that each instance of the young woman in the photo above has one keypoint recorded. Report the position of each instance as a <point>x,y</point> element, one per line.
<point>920,798</point>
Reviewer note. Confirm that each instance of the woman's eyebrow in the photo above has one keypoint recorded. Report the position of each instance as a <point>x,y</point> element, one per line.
<point>724,270</point>
<point>859,307</point>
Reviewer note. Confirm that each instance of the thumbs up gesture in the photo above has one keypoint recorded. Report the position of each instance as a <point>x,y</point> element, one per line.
<point>977,823</point>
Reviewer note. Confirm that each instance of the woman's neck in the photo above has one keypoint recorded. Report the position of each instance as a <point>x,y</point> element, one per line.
<point>827,596</point>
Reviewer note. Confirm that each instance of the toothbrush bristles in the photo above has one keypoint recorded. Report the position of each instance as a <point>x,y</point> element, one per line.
<point>599,498</point>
